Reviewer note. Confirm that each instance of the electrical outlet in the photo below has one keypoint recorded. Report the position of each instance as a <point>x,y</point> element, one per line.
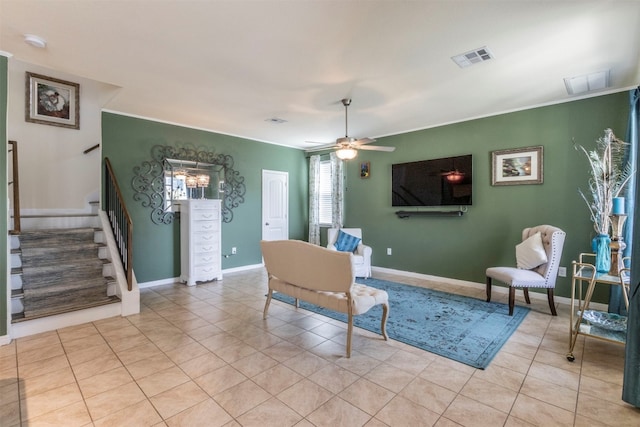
<point>562,271</point>
<point>234,250</point>
<point>388,251</point>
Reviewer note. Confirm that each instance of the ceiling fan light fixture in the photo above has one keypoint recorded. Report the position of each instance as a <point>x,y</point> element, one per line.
<point>346,153</point>
<point>455,177</point>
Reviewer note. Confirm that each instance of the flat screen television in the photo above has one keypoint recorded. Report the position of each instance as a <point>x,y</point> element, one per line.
<point>436,182</point>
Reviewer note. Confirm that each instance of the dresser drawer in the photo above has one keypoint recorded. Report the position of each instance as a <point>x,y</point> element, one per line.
<point>204,215</point>
<point>206,259</point>
<point>205,248</point>
<point>197,205</point>
<point>200,226</point>
<point>205,237</point>
<point>205,271</point>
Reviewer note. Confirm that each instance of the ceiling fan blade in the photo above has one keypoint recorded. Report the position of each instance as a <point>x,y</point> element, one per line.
<point>376,148</point>
<point>320,148</point>
<point>363,141</point>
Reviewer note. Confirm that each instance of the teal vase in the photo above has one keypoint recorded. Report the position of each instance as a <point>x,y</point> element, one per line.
<point>600,245</point>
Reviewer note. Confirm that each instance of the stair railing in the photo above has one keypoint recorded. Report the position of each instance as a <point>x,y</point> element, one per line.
<point>119,219</point>
<point>15,181</point>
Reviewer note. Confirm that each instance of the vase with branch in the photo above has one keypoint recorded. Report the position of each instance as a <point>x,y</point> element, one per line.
<point>609,174</point>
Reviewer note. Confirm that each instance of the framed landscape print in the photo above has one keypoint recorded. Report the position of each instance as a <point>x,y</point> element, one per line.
<point>517,166</point>
<point>52,101</point>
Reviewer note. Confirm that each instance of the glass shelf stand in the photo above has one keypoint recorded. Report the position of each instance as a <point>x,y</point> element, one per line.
<point>583,282</point>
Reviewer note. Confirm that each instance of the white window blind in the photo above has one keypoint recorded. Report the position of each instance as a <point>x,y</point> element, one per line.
<point>324,201</point>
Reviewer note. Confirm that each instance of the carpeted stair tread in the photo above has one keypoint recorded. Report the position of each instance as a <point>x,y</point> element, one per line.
<point>34,257</point>
<point>31,290</point>
<point>62,307</point>
<point>68,295</point>
<point>56,237</point>
<point>52,274</point>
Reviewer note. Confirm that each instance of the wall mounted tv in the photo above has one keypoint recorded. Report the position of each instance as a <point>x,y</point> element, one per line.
<point>437,182</point>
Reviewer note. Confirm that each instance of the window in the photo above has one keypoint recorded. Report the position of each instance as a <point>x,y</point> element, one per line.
<point>325,196</point>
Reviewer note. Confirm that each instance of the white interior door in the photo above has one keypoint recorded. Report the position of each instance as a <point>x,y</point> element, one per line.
<point>275,205</point>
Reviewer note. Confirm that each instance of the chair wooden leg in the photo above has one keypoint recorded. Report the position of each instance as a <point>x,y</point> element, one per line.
<point>383,324</point>
<point>266,306</point>
<point>526,295</point>
<point>488,288</point>
<point>512,299</point>
<point>552,304</point>
<point>349,332</point>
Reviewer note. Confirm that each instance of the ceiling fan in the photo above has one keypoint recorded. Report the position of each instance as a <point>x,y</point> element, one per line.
<point>347,147</point>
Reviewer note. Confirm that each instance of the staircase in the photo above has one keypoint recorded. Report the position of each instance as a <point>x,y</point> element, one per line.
<point>58,271</point>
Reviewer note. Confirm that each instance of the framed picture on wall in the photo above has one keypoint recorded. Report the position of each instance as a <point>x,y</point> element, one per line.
<point>365,170</point>
<point>517,166</point>
<point>52,101</point>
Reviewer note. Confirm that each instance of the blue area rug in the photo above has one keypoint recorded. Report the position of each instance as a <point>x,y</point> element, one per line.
<point>468,330</point>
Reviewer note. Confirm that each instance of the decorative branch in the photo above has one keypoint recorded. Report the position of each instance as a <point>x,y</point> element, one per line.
<point>608,176</point>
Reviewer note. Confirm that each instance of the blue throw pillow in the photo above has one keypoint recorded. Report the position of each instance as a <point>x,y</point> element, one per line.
<point>346,242</point>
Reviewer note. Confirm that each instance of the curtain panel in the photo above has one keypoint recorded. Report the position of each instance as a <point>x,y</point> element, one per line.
<point>337,191</point>
<point>314,195</point>
<point>631,379</point>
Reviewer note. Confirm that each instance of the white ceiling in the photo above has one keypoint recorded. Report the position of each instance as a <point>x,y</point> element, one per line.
<point>226,66</point>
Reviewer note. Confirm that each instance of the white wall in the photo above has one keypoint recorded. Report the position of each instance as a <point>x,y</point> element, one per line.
<point>55,175</point>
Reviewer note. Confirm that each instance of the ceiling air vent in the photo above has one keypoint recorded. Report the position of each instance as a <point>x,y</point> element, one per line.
<point>588,82</point>
<point>472,57</point>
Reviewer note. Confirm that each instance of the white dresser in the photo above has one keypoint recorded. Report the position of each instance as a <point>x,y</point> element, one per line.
<point>200,241</point>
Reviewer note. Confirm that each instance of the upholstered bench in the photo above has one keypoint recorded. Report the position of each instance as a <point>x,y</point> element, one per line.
<point>322,277</point>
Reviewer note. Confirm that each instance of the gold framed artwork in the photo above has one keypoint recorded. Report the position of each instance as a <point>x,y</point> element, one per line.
<point>52,101</point>
<point>365,170</point>
<point>517,166</point>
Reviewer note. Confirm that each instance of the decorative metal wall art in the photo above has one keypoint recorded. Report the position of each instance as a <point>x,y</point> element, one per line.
<point>150,181</point>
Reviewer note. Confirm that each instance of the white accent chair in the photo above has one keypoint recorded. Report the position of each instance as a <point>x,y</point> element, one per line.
<point>543,276</point>
<point>361,259</point>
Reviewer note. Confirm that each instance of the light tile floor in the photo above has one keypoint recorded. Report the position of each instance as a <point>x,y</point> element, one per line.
<point>203,356</point>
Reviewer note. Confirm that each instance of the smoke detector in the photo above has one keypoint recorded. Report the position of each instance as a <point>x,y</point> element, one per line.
<point>35,41</point>
<point>275,120</point>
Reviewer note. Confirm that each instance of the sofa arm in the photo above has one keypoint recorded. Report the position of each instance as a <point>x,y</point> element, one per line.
<point>363,250</point>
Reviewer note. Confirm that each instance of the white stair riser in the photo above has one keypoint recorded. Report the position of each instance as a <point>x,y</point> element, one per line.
<point>16,262</point>
<point>99,237</point>
<point>46,223</point>
<point>14,242</point>
<point>111,289</point>
<point>16,305</point>
<point>103,252</point>
<point>108,270</point>
<point>16,281</point>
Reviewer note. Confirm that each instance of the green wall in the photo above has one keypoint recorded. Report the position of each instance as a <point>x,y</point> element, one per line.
<point>455,247</point>
<point>3,193</point>
<point>463,247</point>
<point>127,142</point>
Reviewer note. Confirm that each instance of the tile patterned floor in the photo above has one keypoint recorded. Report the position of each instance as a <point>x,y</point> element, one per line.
<point>203,356</point>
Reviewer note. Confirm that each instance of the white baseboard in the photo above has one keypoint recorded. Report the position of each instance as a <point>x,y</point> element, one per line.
<point>496,289</point>
<point>170,280</point>
<point>4,340</point>
<point>242,268</point>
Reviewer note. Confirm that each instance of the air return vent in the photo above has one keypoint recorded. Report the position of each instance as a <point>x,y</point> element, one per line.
<point>588,82</point>
<point>472,57</point>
